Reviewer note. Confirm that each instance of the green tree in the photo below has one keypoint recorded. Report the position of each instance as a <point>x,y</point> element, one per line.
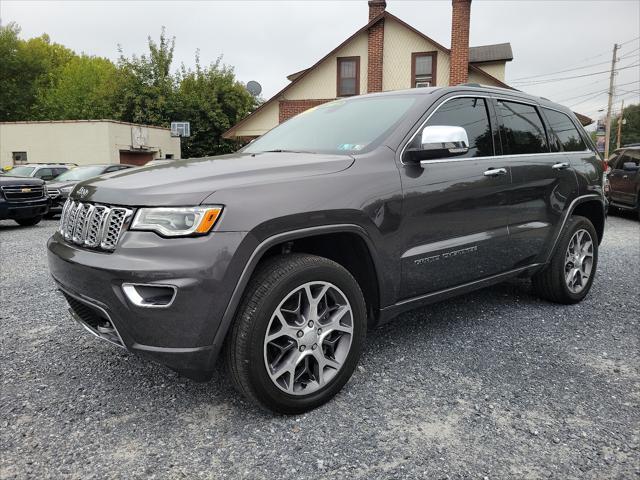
<point>630,128</point>
<point>147,85</point>
<point>26,67</point>
<point>212,100</point>
<point>84,88</point>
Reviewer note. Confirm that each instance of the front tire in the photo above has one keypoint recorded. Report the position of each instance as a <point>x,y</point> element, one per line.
<point>29,222</point>
<point>298,333</point>
<point>568,277</point>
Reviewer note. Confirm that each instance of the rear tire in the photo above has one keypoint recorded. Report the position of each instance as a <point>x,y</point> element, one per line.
<point>29,222</point>
<point>569,275</point>
<point>300,328</point>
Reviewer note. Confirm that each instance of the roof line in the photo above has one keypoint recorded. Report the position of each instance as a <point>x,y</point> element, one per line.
<point>372,22</point>
<point>304,73</point>
<point>99,120</point>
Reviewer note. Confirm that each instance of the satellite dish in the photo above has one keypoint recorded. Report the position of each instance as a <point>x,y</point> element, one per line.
<point>254,88</point>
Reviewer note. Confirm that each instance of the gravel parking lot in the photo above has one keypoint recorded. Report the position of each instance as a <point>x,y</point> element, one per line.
<point>496,384</point>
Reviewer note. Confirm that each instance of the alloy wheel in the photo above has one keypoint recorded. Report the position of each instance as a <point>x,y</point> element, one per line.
<point>308,338</point>
<point>578,261</point>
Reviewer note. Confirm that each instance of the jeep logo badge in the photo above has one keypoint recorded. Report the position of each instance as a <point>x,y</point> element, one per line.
<point>83,192</point>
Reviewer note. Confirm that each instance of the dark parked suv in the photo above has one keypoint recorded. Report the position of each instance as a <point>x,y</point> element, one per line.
<point>624,179</point>
<point>23,199</point>
<point>284,254</point>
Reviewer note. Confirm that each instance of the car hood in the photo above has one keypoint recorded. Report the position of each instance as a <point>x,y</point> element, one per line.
<point>189,182</point>
<point>59,185</point>
<point>6,180</point>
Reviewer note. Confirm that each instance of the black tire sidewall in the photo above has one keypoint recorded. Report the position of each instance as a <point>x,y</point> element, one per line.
<point>269,393</point>
<point>575,224</point>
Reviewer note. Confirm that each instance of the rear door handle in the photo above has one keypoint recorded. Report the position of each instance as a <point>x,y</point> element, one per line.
<point>560,166</point>
<point>495,172</point>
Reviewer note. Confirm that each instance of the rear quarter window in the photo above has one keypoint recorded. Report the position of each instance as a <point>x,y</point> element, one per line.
<point>564,136</point>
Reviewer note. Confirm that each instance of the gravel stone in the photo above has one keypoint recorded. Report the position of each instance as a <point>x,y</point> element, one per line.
<point>449,391</point>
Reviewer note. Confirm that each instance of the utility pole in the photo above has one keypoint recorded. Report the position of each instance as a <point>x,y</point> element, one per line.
<point>620,119</point>
<point>608,123</point>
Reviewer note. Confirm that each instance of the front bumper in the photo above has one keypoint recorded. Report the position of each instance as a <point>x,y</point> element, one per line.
<point>204,271</point>
<point>23,209</point>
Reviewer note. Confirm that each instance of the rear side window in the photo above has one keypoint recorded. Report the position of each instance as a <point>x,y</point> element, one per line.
<point>44,172</point>
<point>472,115</point>
<point>522,130</point>
<point>564,136</point>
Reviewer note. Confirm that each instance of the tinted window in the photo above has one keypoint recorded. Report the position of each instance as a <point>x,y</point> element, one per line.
<point>521,130</point>
<point>44,173</point>
<point>564,135</point>
<point>472,115</point>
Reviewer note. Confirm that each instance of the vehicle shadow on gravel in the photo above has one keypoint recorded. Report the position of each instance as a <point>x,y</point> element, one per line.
<point>386,341</point>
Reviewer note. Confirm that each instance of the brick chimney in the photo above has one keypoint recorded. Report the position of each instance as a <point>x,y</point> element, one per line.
<point>375,47</point>
<point>376,7</point>
<point>460,19</point>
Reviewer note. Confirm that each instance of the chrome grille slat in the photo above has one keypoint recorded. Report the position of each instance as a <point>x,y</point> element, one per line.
<point>93,226</point>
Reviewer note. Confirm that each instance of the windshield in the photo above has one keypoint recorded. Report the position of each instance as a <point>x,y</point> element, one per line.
<point>343,126</point>
<point>21,171</point>
<point>79,173</point>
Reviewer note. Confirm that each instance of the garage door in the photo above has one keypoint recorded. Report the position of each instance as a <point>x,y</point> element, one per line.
<point>135,158</point>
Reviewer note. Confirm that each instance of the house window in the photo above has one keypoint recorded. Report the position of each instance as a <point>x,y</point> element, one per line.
<point>423,69</point>
<point>348,76</point>
<point>19,157</point>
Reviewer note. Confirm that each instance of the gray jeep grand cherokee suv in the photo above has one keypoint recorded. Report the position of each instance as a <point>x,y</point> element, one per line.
<point>284,254</point>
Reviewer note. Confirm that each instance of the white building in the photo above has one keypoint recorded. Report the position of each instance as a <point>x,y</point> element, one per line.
<point>84,142</point>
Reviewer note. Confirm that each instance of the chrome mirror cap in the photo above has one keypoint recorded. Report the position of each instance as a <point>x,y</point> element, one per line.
<point>445,137</point>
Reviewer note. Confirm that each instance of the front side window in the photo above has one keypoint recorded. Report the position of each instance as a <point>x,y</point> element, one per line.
<point>472,115</point>
<point>564,136</point>
<point>522,131</point>
<point>423,69</point>
<point>348,76</point>
<point>341,126</point>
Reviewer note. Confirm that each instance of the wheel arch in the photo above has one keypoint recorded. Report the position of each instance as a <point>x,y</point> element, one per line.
<point>593,209</point>
<point>319,241</point>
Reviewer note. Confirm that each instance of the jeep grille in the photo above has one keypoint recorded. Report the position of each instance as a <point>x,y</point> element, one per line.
<point>93,226</point>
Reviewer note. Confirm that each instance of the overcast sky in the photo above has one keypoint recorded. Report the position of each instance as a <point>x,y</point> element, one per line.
<point>267,40</point>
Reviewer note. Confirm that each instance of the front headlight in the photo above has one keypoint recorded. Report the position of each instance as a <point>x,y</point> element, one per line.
<point>66,190</point>
<point>177,221</point>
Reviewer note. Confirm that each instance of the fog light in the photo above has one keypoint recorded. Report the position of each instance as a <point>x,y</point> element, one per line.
<point>150,295</point>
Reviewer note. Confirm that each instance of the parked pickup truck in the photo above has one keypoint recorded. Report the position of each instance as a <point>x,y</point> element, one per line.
<point>23,199</point>
<point>285,253</point>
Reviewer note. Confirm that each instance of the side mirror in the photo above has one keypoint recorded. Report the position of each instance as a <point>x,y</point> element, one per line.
<point>630,167</point>
<point>440,141</point>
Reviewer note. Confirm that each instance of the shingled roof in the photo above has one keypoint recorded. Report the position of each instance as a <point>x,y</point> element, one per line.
<point>491,53</point>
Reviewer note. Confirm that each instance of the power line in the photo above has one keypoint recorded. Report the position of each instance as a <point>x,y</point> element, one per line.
<point>629,41</point>
<point>577,76</point>
<point>590,93</point>
<point>515,80</point>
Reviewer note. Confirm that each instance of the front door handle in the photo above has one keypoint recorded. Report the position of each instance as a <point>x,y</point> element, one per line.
<point>495,172</point>
<point>560,166</point>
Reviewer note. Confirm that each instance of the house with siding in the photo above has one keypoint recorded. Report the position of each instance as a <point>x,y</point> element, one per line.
<point>385,54</point>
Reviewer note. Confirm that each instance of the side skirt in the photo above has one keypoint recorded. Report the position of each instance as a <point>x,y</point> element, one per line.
<point>389,313</point>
